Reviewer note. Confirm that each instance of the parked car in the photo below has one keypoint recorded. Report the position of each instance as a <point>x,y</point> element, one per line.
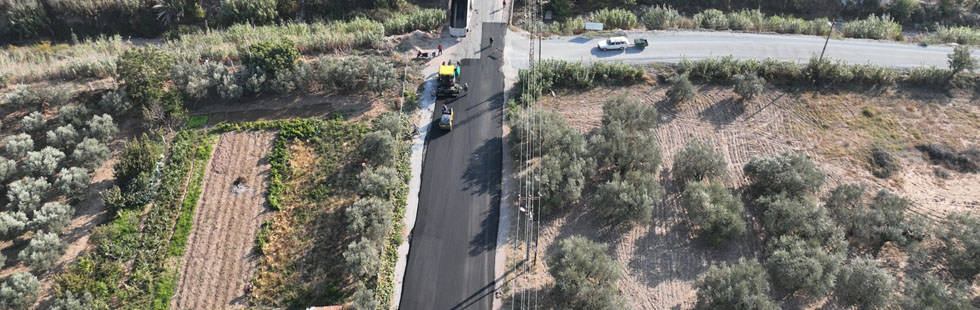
<point>614,43</point>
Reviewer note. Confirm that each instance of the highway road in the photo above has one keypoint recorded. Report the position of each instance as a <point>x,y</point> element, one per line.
<point>451,259</point>
<point>672,46</point>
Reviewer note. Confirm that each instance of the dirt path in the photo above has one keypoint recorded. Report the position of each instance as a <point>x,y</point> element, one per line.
<point>219,260</point>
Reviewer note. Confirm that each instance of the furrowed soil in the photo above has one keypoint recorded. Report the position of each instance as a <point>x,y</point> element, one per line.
<point>220,260</point>
<point>662,259</point>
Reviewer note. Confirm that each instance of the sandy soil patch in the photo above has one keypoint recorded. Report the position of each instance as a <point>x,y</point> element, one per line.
<point>661,260</point>
<point>219,260</point>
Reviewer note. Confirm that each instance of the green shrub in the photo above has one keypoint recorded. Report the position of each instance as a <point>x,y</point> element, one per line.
<point>74,114</point>
<point>714,212</point>
<point>616,72</point>
<point>802,217</point>
<point>711,19</point>
<point>270,57</point>
<point>90,153</point>
<point>745,20</point>
<point>25,195</point>
<point>33,122</point>
<point>115,102</point>
<point>379,149</point>
<point>143,71</point>
<point>71,181</point>
<point>53,217</point>
<point>8,168</point>
<point>44,162</point>
<point>820,27</point>
<point>423,19</point>
<point>12,224</point>
<point>902,10</point>
<point>17,146</point>
<point>258,12</point>
<point>681,90</point>
<point>790,24</point>
<point>740,286</point>
<point>721,69</point>
<point>932,77</point>
<point>370,217</point>
<point>362,258</point>
<point>869,74</point>
<point>27,19</point>
<point>585,276</point>
<point>623,143</point>
<point>960,60</point>
<point>826,72</point>
<point>873,27</point>
<point>959,35</point>
<point>363,298</point>
<point>928,292</point>
<point>660,17</point>
<point>378,182</point>
<point>570,25</point>
<point>629,197</point>
<point>62,137</point>
<point>884,220</point>
<point>614,18</point>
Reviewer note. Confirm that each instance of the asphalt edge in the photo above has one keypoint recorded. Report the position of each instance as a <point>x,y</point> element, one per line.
<point>506,182</point>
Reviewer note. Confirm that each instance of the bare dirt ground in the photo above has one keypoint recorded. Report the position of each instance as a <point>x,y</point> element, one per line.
<point>219,260</point>
<point>661,260</point>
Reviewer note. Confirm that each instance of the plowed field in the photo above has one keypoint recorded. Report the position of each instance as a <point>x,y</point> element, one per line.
<point>219,260</point>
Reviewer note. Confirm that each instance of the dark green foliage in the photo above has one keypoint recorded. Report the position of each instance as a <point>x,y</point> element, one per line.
<point>72,302</point>
<point>629,197</point>
<point>423,19</point>
<point>698,161</point>
<point>660,17</point>
<point>796,264</point>
<point>270,57</point>
<point>902,10</point>
<point>74,114</point>
<point>564,164</point>
<point>614,18</point>
<point>963,161</point>
<point>143,71</point>
<point>865,285</point>
<point>19,291</point>
<point>788,172</point>
<point>883,163</point>
<point>556,75</point>
<point>634,115</point>
<point>961,245</point>
<point>257,12</point>
<point>742,286</point>
<point>681,90</point>
<point>929,293</point>
<point>801,217</point>
<point>844,202</point>
<point>395,124</point>
<point>713,211</point>
<point>749,85</point>
<point>362,258</point>
<point>562,177</point>
<point>135,168</point>
<point>585,276</point>
<point>624,142</point>
<point>363,298</point>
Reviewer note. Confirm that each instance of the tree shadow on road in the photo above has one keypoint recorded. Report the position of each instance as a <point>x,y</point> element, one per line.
<point>482,174</point>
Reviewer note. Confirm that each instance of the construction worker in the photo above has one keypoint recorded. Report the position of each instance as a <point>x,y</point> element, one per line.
<point>440,49</point>
<point>445,109</point>
<point>491,41</point>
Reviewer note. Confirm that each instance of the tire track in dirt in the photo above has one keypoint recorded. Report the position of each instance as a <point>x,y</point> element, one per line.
<point>219,261</point>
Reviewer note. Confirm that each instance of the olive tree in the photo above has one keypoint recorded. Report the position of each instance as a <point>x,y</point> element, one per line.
<point>634,115</point>
<point>19,291</point>
<point>844,202</point>
<point>797,264</point>
<point>74,114</point>
<point>681,91</point>
<point>8,168</point>
<point>929,293</point>
<point>713,211</point>
<point>44,251</point>
<point>18,145</point>
<point>742,286</point>
<point>90,153</point>
<point>623,150</point>
<point>362,258</point>
<point>865,285</point>
<point>884,220</point>
<point>381,75</point>
<point>629,198</point>
<point>749,85</point>
<point>71,302</point>
<point>53,217</point>
<point>379,182</point>
<point>12,224</point>
<point>71,181</point>
<point>961,245</point>
<point>62,137</point>
<point>699,160</point>
<point>363,298</point>
<point>33,122</point>
<point>44,162</point>
<point>392,123</point>
<point>379,148</point>
<point>370,217</point>
<point>802,217</point>
<point>115,102</point>
<point>561,177</point>
<point>788,172</point>
<point>25,195</point>
<point>585,276</point>
<point>102,128</point>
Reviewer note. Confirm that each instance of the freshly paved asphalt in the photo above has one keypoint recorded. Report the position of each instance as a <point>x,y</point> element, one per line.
<point>672,46</point>
<point>451,261</point>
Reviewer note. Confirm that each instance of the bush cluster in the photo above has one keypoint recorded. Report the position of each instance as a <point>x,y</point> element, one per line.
<point>660,17</point>
<point>614,18</point>
<point>713,211</point>
<point>962,161</point>
<point>740,286</point>
<point>561,74</point>
<point>874,27</point>
<point>423,19</point>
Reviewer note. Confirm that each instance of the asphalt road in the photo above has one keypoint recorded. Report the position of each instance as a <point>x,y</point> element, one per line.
<point>672,46</point>
<point>451,260</point>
